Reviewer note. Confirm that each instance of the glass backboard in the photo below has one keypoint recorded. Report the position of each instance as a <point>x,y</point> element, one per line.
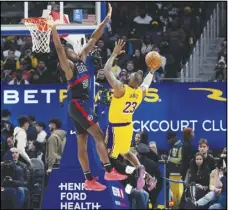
<point>83,16</point>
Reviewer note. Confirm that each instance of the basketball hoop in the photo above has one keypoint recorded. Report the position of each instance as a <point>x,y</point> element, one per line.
<point>40,33</point>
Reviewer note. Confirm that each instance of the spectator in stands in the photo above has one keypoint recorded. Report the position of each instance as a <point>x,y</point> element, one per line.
<point>55,144</point>
<point>147,46</point>
<point>199,174</point>
<point>175,153</point>
<point>10,61</point>
<point>141,142</point>
<point>123,77</point>
<point>130,67</point>
<point>116,69</point>
<point>6,145</point>
<point>20,137</point>
<point>35,78</point>
<point>9,142</point>
<point>190,24</point>
<point>143,18</point>
<point>7,127</point>
<point>220,70</point>
<point>203,148</point>
<point>45,75</point>
<point>153,170</point>
<point>6,75</point>
<point>139,60</point>
<point>177,39</point>
<point>30,61</point>
<point>41,133</point>
<point>138,198</point>
<point>223,51</point>
<point>18,80</point>
<point>35,151</point>
<point>100,76</point>
<point>104,51</point>
<point>187,151</point>
<point>32,132</point>
<point>217,194</point>
<point>10,45</point>
<point>14,179</point>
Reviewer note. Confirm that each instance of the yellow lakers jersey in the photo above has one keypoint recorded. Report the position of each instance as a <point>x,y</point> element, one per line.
<point>122,109</point>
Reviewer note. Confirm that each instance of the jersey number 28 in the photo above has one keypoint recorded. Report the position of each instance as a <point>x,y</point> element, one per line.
<point>130,107</point>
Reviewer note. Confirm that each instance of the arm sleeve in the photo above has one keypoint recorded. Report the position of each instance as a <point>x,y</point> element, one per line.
<point>147,80</point>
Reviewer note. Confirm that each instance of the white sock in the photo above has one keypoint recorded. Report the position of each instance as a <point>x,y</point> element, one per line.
<point>129,169</point>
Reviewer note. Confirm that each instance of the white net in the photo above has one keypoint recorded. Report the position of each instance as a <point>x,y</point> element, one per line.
<point>40,33</point>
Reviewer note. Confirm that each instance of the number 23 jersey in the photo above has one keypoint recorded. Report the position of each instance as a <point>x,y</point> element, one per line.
<point>122,109</point>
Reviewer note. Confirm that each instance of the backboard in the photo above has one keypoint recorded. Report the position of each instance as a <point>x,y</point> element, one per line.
<point>83,16</point>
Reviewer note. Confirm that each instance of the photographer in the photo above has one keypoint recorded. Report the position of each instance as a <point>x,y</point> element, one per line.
<point>14,181</point>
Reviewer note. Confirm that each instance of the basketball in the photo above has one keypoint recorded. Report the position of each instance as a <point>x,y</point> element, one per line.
<point>153,60</point>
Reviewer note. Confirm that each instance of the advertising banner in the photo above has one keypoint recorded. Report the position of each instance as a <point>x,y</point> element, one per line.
<point>166,107</point>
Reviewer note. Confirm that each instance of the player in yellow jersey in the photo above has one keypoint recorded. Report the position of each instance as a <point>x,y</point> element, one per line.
<point>125,100</point>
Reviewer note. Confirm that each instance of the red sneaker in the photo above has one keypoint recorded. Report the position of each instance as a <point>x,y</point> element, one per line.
<point>114,176</point>
<point>94,185</point>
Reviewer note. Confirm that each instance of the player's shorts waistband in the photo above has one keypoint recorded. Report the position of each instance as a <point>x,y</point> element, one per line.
<point>119,124</point>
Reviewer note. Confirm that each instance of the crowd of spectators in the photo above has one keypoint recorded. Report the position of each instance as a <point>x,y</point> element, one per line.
<point>25,145</point>
<point>26,149</point>
<point>167,27</point>
<point>220,71</point>
<point>204,174</point>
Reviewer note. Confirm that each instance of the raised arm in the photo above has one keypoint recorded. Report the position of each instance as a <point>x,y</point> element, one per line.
<point>96,35</point>
<point>64,62</point>
<point>147,82</point>
<point>115,83</point>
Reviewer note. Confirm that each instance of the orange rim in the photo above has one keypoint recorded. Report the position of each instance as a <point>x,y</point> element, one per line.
<point>40,22</point>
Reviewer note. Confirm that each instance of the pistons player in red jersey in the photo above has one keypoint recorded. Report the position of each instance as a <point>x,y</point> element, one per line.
<point>77,75</point>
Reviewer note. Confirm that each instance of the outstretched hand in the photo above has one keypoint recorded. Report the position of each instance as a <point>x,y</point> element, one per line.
<point>51,23</point>
<point>118,47</point>
<point>109,15</point>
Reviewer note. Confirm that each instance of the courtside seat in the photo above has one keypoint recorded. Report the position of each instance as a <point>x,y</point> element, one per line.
<point>37,183</point>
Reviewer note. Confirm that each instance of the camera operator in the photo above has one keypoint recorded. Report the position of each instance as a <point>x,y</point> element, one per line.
<point>14,181</point>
